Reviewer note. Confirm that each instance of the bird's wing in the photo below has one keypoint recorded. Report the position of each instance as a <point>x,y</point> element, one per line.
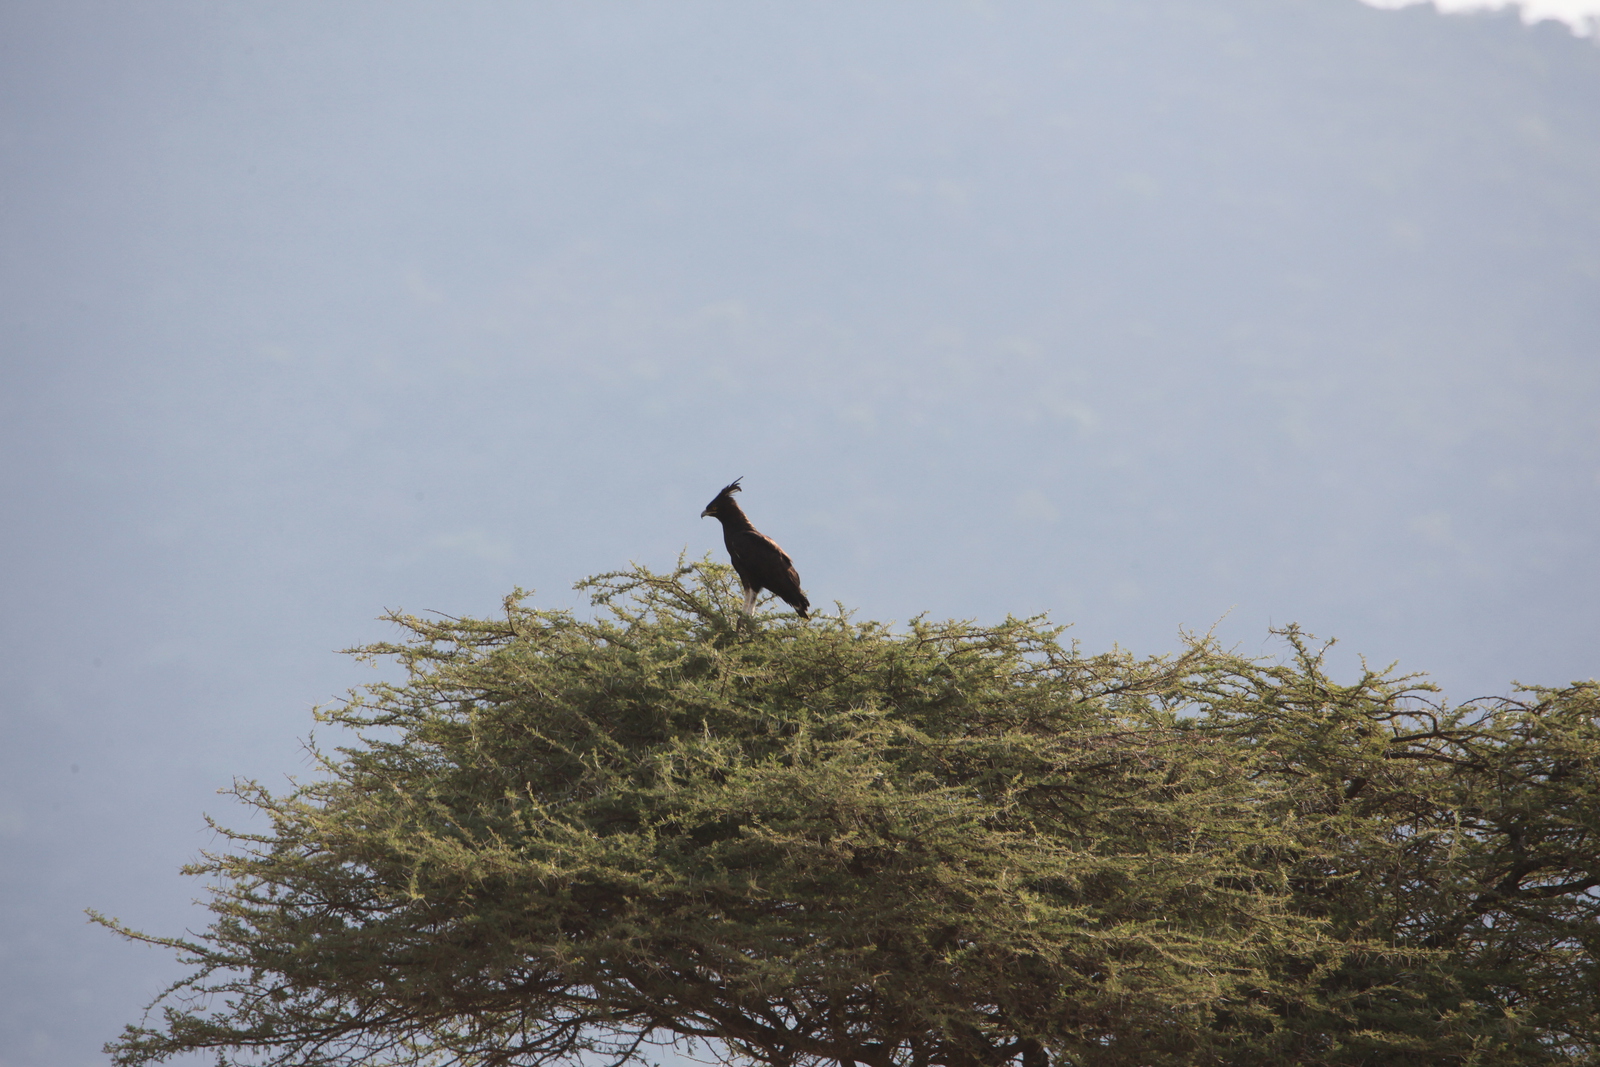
<point>763,564</point>
<point>770,543</point>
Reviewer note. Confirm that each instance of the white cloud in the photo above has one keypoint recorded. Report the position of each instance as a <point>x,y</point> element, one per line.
<point>1582,15</point>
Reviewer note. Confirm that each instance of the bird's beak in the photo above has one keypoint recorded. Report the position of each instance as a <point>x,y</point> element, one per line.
<point>705,513</point>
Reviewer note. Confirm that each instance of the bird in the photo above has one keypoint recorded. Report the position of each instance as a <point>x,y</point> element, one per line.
<point>760,563</point>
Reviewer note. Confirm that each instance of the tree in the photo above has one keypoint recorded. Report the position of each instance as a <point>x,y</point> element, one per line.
<point>820,842</point>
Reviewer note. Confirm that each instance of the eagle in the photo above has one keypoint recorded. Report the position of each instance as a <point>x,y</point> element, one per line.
<point>761,564</point>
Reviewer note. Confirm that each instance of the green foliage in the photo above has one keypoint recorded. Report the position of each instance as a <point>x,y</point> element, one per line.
<point>829,841</point>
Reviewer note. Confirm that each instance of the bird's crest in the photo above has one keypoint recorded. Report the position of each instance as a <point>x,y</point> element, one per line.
<point>726,494</point>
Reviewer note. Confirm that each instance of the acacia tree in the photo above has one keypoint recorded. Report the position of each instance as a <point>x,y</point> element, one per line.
<point>832,842</point>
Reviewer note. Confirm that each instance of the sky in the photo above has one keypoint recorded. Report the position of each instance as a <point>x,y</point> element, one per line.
<point>1167,316</point>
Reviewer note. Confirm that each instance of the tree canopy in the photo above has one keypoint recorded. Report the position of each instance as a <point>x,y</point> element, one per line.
<point>831,841</point>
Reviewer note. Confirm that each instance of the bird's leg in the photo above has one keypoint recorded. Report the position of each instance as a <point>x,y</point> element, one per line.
<point>749,601</point>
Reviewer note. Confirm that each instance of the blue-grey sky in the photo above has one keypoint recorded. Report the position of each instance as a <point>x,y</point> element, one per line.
<point>1151,314</point>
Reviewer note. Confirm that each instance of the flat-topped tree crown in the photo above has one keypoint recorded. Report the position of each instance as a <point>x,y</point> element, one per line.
<point>561,839</point>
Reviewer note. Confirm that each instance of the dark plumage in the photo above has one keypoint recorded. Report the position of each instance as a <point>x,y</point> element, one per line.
<point>758,559</point>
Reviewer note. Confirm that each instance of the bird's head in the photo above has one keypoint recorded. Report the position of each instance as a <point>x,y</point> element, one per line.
<point>714,508</point>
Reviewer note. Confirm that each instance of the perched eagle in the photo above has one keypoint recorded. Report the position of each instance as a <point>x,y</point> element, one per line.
<point>758,559</point>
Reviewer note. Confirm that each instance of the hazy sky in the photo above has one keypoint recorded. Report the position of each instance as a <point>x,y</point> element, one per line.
<point>1151,314</point>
